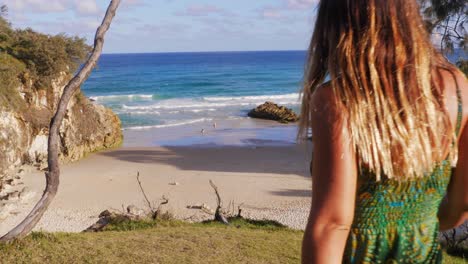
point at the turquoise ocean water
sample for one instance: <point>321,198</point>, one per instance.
<point>171,89</point>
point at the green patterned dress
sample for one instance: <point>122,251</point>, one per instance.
<point>396,222</point>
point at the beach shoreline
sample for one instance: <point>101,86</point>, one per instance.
<point>215,133</point>
<point>253,162</point>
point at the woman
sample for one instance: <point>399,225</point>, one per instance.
<point>387,129</point>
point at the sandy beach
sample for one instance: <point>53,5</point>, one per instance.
<point>257,166</point>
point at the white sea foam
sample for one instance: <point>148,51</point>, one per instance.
<point>202,110</point>
<point>291,96</point>
<point>192,111</point>
<point>181,123</point>
<point>181,105</point>
<point>139,112</point>
<point>121,97</point>
<point>202,104</point>
<point>182,111</point>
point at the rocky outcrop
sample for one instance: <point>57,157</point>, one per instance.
<point>272,111</point>
<point>87,127</point>
<point>132,214</point>
<point>115,217</point>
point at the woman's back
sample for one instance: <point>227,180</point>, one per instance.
<point>384,136</point>
<point>392,220</point>
<point>397,220</point>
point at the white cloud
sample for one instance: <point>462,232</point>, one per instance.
<point>283,10</point>
<point>81,7</point>
<point>271,13</point>
<point>133,2</point>
<point>165,30</point>
<point>300,4</point>
<point>201,10</point>
<point>38,5</point>
<point>81,27</point>
<point>48,16</point>
<point>86,7</point>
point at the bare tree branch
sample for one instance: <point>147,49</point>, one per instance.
<point>53,173</point>
<point>447,19</point>
<point>156,213</point>
<point>218,214</point>
<point>444,36</point>
<point>239,210</point>
<point>144,195</point>
<point>155,210</point>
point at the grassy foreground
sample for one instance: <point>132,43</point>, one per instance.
<point>165,242</point>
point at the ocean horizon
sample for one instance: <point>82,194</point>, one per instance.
<point>156,90</point>
<point>167,89</point>
<point>201,51</point>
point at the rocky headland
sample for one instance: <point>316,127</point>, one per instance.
<point>87,128</point>
<point>34,69</point>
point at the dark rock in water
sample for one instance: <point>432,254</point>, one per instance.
<point>272,111</point>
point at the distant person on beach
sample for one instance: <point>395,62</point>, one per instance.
<point>387,127</point>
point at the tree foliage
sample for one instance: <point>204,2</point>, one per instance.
<point>3,10</point>
<point>447,21</point>
<point>463,65</point>
<point>44,56</point>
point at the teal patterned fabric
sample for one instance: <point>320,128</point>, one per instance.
<point>396,221</point>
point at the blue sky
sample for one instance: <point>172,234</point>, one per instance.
<point>176,25</point>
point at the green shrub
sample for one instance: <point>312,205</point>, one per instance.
<point>10,72</point>
<point>26,55</point>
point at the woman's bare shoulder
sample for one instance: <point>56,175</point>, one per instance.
<point>326,112</point>
<point>323,98</point>
<point>463,86</point>
<point>453,80</point>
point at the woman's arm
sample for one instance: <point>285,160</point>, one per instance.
<point>334,176</point>
<point>454,210</point>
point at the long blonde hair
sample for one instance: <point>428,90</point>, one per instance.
<point>380,62</point>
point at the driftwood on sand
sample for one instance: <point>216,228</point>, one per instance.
<point>155,210</point>
<point>219,216</point>
<point>131,213</point>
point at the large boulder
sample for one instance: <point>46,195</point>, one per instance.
<point>272,111</point>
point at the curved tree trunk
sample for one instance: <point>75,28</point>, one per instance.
<point>53,173</point>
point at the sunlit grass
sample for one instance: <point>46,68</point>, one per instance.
<point>165,241</point>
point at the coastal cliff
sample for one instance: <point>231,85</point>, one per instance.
<point>34,69</point>
<point>87,127</point>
